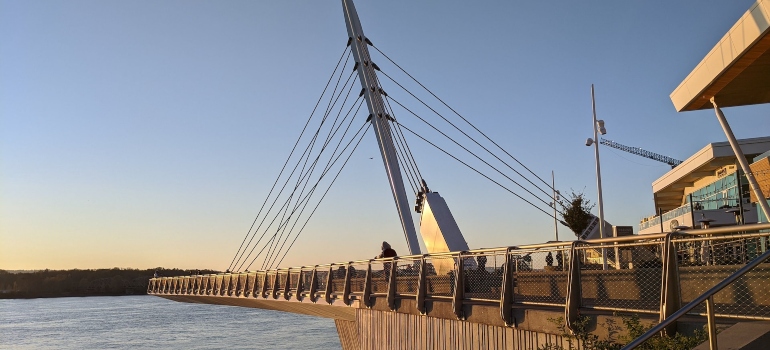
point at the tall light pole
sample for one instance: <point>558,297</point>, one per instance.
<point>598,126</point>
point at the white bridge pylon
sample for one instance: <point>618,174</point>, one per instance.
<point>438,228</point>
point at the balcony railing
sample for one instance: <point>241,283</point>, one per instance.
<point>652,274</point>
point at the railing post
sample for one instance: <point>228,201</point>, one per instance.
<point>263,292</point>
<point>392,284</point>
<point>287,285</point>
<point>712,325</point>
<point>506,291</point>
<point>459,292</point>
<point>298,291</point>
<point>368,286</point>
<point>422,286</point>
<point>313,284</point>
<point>249,292</point>
<point>572,306</point>
<point>274,291</point>
<point>328,290</point>
<point>346,286</point>
<point>670,300</point>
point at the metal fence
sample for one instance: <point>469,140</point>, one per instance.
<point>642,275</point>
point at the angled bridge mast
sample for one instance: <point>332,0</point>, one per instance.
<point>379,119</point>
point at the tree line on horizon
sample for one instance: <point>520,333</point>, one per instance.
<point>90,282</point>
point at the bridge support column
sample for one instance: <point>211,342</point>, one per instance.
<point>506,292</point>
<point>328,290</point>
<point>392,284</point>
<point>422,287</point>
<point>572,307</point>
<point>377,329</point>
<point>457,298</point>
<point>670,296</point>
<point>313,284</point>
<point>346,287</point>
<point>366,298</point>
<point>348,333</point>
<point>263,291</point>
<point>287,285</point>
<point>298,291</point>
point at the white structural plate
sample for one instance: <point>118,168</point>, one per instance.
<point>440,232</point>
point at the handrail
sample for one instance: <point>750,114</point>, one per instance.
<point>454,276</point>
<point>697,301</point>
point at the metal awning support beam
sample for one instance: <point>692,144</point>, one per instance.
<point>761,198</point>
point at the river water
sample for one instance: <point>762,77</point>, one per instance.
<point>148,322</point>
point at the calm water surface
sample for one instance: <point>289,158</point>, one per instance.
<point>139,322</point>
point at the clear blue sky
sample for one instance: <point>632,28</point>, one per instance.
<point>146,133</point>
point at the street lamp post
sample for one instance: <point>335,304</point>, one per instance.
<point>598,126</point>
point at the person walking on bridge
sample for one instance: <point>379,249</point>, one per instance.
<point>387,251</point>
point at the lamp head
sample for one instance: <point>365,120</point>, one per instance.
<point>600,127</point>
<point>589,141</point>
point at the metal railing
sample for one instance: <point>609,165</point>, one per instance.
<point>652,274</point>
<point>739,277</point>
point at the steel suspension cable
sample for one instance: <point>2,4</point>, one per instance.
<point>389,110</point>
<point>307,149</point>
<point>477,171</point>
<point>407,171</point>
<point>283,223</point>
<point>333,180</point>
<point>468,136</point>
<point>324,195</point>
<point>467,150</point>
<point>305,176</point>
<point>287,202</point>
<point>461,117</point>
<point>290,154</point>
<point>306,200</point>
<point>332,133</point>
<point>411,175</point>
<point>400,133</point>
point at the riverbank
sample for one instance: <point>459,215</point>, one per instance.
<point>80,283</point>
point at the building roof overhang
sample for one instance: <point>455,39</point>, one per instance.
<point>736,71</point>
<point>668,190</point>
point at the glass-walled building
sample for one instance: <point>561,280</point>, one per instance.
<point>708,188</point>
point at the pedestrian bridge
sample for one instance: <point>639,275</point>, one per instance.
<point>504,297</point>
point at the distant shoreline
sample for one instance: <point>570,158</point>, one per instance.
<point>17,295</point>
<point>81,283</point>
